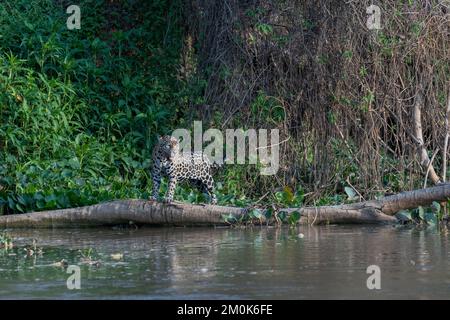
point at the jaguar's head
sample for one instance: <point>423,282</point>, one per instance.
<point>169,146</point>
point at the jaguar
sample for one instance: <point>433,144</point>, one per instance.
<point>178,166</point>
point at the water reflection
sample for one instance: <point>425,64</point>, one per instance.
<point>327,262</point>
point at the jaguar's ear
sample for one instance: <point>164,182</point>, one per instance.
<point>158,137</point>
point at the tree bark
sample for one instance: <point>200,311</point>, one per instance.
<point>144,212</point>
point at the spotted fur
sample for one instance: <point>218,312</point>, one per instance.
<point>177,166</point>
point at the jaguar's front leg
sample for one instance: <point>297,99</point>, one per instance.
<point>156,178</point>
<point>171,191</point>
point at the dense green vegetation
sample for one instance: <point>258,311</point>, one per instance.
<point>80,109</point>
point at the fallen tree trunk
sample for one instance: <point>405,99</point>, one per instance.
<point>143,212</point>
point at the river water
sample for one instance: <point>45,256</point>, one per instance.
<point>324,262</point>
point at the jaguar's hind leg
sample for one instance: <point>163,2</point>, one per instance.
<point>205,187</point>
<point>208,188</point>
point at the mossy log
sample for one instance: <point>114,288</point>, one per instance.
<point>144,212</point>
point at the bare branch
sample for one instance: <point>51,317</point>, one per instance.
<point>424,159</point>
<point>447,135</point>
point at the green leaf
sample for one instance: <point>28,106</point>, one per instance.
<point>264,28</point>
<point>298,198</point>
<point>421,213</point>
<point>92,172</point>
<point>63,200</point>
<point>74,163</point>
<point>282,215</point>
<point>20,207</point>
<point>279,196</point>
<point>268,213</point>
<point>430,218</point>
<point>40,204</point>
<point>50,204</point>
<point>437,207</point>
<point>405,214</point>
<point>11,203</point>
<point>29,25</point>
<point>50,198</point>
<point>140,116</point>
<point>21,199</point>
<point>294,217</point>
<point>229,218</point>
<point>66,173</point>
<point>255,213</point>
<point>278,113</point>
